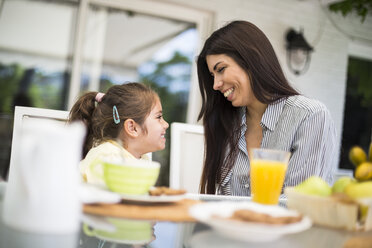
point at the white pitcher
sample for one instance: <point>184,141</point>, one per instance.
<point>42,191</point>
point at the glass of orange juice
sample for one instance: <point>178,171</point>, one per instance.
<point>268,168</point>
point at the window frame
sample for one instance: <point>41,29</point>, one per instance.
<point>203,20</point>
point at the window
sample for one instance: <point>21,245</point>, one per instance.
<point>35,50</point>
<point>53,51</point>
<point>357,128</point>
<point>120,46</point>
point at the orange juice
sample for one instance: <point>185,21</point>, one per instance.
<point>267,179</point>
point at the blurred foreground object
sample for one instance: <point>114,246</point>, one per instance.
<point>42,191</point>
<point>347,204</point>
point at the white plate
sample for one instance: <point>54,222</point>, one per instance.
<point>152,199</point>
<point>246,231</point>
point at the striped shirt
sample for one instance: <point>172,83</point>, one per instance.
<point>296,124</point>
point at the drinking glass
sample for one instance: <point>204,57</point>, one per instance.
<point>268,168</point>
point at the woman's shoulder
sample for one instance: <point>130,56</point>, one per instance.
<point>304,103</point>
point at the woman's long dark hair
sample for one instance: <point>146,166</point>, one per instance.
<point>252,51</point>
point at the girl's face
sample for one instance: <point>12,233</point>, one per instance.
<point>230,79</point>
<point>156,126</point>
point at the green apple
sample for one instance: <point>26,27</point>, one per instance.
<point>314,186</point>
<point>341,183</point>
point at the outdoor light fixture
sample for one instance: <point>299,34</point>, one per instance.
<point>298,52</point>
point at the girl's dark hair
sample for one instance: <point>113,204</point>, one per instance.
<point>132,100</point>
<point>252,51</point>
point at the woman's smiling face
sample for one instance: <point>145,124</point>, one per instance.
<point>230,79</point>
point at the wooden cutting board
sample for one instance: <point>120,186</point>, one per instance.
<point>176,211</point>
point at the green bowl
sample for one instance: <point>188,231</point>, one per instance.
<point>127,231</point>
<point>131,177</point>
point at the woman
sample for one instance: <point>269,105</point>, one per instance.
<point>247,103</point>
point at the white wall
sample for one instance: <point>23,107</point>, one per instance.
<point>326,78</point>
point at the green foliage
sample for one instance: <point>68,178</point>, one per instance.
<point>360,73</point>
<point>45,94</point>
<point>105,84</point>
<point>44,91</point>
<point>361,7</point>
<point>9,83</point>
<point>174,103</point>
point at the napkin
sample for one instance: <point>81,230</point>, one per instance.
<point>90,193</point>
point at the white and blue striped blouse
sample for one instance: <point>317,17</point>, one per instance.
<point>296,124</point>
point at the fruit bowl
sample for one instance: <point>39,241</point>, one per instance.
<point>334,211</point>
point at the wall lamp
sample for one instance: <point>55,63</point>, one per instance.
<point>298,52</point>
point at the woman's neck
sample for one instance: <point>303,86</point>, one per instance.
<point>253,133</point>
<point>255,112</point>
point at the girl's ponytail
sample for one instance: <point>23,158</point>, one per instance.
<point>83,111</point>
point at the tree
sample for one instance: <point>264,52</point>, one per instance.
<point>10,76</point>
<point>162,79</point>
<point>361,7</point>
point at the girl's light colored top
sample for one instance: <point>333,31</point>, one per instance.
<point>296,124</point>
<point>109,150</point>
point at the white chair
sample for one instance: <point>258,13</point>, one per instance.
<point>21,115</point>
<point>186,156</point>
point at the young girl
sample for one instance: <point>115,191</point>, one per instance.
<point>126,122</point>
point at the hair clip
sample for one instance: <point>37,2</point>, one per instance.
<point>115,115</point>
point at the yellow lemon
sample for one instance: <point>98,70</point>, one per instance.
<point>357,155</point>
<point>364,171</point>
<point>359,190</point>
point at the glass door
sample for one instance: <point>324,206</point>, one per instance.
<point>35,60</point>
<point>141,41</point>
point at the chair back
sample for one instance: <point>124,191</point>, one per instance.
<point>186,156</point>
<point>22,115</point>
<point>42,193</point>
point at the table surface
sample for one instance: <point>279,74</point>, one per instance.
<point>174,235</point>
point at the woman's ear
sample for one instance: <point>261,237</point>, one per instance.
<point>131,128</point>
